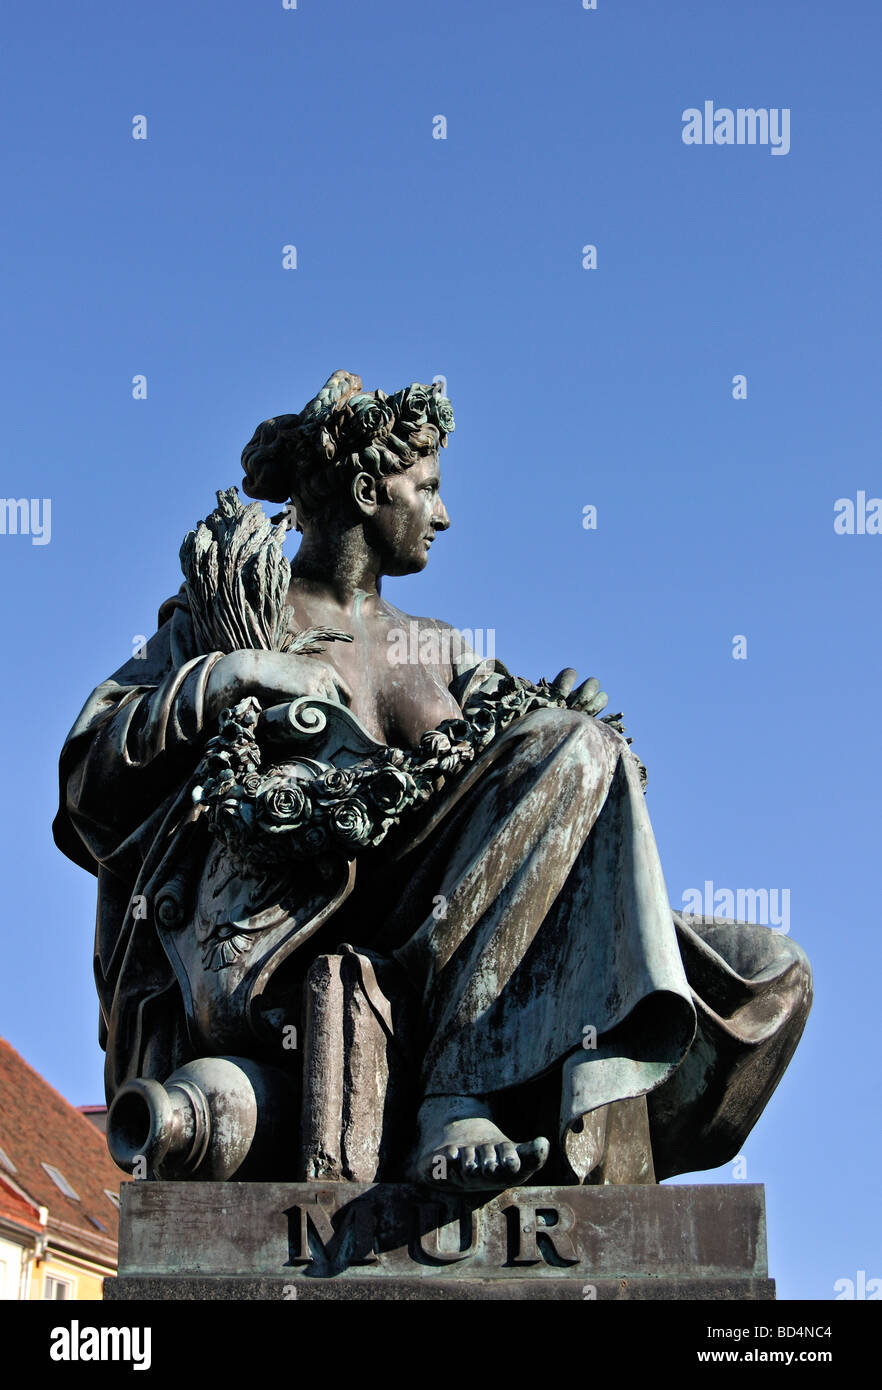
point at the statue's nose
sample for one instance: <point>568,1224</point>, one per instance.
<point>441,521</point>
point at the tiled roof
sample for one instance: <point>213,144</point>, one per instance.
<point>37,1127</point>
<point>13,1207</point>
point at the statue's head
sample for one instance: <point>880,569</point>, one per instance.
<point>314,458</point>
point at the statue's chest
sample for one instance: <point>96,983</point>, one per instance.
<point>397,668</point>
<point>396,701</point>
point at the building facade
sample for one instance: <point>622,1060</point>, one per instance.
<point>59,1191</point>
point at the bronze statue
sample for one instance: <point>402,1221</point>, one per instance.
<point>402,919</point>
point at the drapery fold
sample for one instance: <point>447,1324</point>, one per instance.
<point>526,904</point>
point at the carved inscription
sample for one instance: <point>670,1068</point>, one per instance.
<point>328,1235</point>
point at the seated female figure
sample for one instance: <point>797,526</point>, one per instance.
<point>554,984</point>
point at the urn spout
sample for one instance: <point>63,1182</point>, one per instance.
<point>213,1119</point>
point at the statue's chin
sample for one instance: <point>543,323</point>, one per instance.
<point>413,565</point>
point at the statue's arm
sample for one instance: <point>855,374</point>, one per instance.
<point>135,742</point>
<point>141,734</point>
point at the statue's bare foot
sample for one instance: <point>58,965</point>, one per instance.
<point>459,1147</point>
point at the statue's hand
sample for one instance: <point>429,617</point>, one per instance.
<point>273,678</point>
<point>589,698</point>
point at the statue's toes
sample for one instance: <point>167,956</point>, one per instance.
<point>488,1159</point>
<point>509,1162</point>
<point>468,1160</point>
<point>533,1155</point>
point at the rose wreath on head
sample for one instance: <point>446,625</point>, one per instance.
<point>309,458</point>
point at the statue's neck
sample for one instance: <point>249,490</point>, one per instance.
<point>341,569</point>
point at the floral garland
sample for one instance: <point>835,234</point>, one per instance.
<point>371,430</point>
<point>290,811</point>
<point>369,418</point>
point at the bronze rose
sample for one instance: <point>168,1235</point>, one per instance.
<point>389,790</point>
<point>350,821</point>
<point>285,804</point>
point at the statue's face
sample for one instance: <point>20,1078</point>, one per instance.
<point>406,522</point>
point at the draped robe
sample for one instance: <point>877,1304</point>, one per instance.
<point>556,969</point>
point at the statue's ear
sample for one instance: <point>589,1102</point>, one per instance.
<point>365,493</point>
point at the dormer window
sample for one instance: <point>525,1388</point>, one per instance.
<point>61,1181</point>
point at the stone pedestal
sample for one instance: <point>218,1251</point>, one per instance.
<point>358,1241</point>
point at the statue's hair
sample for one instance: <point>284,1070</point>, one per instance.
<point>312,457</point>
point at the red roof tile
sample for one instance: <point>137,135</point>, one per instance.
<point>14,1207</point>
<point>39,1126</point>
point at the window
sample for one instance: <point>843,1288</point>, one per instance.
<point>56,1287</point>
<point>99,1225</point>
<point>7,1162</point>
<point>113,1196</point>
<point>61,1181</point>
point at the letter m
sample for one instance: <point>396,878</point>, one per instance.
<point>10,524</point>
<point>751,121</point>
<point>752,905</point>
<point>116,1344</point>
<point>331,1239</point>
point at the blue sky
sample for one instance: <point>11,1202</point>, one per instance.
<point>609,387</point>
